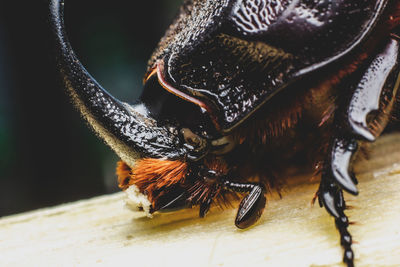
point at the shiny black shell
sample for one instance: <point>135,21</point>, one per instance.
<point>235,55</point>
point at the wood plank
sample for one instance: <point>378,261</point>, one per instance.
<point>101,232</point>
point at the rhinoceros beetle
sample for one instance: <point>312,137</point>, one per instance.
<point>237,88</point>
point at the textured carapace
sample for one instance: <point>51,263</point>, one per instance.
<point>235,55</point>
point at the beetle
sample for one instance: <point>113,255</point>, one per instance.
<point>236,89</point>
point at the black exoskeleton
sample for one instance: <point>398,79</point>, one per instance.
<point>238,89</point>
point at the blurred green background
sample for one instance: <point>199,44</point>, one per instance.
<point>48,155</point>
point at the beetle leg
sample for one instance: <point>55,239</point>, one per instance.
<point>205,205</point>
<point>375,92</point>
<point>379,81</point>
<point>341,154</point>
<point>331,197</point>
<point>252,206</point>
<point>336,176</point>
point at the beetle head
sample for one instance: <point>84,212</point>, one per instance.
<point>217,64</point>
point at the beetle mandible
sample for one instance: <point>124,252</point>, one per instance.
<point>236,88</point>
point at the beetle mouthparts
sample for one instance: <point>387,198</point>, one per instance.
<point>153,184</point>
<point>137,201</point>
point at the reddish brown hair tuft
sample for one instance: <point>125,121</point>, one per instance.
<point>151,174</point>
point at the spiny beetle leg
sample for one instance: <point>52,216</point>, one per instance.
<point>205,205</point>
<point>331,197</point>
<point>252,206</point>
<point>341,154</point>
<point>379,80</point>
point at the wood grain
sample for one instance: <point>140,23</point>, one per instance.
<point>100,232</point>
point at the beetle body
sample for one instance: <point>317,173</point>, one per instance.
<point>238,90</point>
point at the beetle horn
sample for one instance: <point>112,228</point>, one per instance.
<point>128,130</point>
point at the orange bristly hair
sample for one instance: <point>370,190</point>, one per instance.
<point>124,173</point>
<point>151,174</point>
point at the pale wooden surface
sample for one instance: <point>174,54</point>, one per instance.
<point>100,232</point>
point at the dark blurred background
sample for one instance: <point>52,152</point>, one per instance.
<point>48,155</point>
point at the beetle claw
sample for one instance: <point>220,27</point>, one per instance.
<point>327,199</point>
<point>345,180</point>
<point>361,129</point>
<point>340,164</point>
<point>205,207</point>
